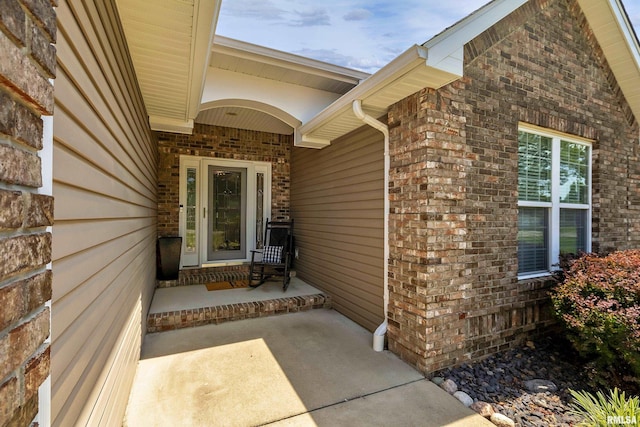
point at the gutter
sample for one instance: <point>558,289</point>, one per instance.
<point>380,332</point>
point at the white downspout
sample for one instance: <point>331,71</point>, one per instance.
<point>378,335</point>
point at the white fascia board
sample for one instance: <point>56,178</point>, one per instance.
<point>205,20</point>
<point>310,142</point>
<point>445,49</point>
<point>167,124</point>
<point>407,61</point>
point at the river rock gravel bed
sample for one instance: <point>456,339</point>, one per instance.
<point>530,384</point>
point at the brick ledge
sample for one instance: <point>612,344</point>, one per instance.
<point>172,320</point>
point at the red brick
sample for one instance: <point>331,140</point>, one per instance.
<point>39,211</point>
<point>12,303</point>
<point>36,372</point>
<point>22,297</point>
<point>43,51</point>
<point>44,15</point>
<point>11,210</point>
<point>12,19</point>
<point>22,253</point>
<point>20,167</point>
<point>22,342</point>
<point>10,399</point>
<point>20,76</point>
<point>24,414</point>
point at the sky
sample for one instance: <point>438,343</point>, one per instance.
<point>360,34</point>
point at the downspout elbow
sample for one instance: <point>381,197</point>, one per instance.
<point>371,121</point>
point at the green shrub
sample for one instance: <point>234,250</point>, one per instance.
<point>599,304</point>
<point>600,410</point>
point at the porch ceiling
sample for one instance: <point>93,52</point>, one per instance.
<point>169,43</point>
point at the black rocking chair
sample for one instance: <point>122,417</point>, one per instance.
<point>276,257</point>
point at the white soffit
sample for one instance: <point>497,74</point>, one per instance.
<point>434,64</point>
<point>615,35</point>
<point>169,42</point>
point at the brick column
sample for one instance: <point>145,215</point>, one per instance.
<point>428,272</point>
<point>27,63</point>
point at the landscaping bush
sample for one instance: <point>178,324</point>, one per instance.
<point>599,304</point>
<point>600,410</point>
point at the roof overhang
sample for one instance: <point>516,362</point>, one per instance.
<point>440,61</point>
<point>615,35</point>
<point>434,64</point>
<point>170,44</point>
<point>259,61</point>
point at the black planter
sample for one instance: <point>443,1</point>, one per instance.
<point>168,258</point>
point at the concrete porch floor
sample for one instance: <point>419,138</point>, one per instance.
<point>302,369</point>
<point>197,296</point>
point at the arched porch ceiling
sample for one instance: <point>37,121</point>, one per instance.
<point>247,114</point>
<point>257,88</point>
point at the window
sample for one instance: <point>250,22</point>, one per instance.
<point>554,198</point>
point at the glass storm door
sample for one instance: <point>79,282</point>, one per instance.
<point>227,206</point>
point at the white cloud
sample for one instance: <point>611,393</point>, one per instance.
<point>361,34</point>
<point>358,15</point>
<point>311,18</point>
<point>253,9</point>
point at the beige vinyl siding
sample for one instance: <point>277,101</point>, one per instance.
<point>105,174</point>
<point>337,204</point>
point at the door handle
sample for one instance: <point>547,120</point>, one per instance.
<point>204,212</point>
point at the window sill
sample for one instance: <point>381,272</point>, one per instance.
<point>524,277</point>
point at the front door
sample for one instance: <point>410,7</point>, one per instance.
<point>227,224</point>
<point>223,206</point>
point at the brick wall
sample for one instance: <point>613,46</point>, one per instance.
<point>454,290</point>
<point>27,62</point>
<point>224,143</point>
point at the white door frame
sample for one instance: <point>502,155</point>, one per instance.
<point>201,164</point>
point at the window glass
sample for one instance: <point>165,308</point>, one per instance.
<point>190,228</point>
<point>532,239</point>
<point>574,163</point>
<point>534,167</point>
<point>573,230</point>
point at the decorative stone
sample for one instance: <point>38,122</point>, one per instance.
<point>483,408</point>
<point>464,398</point>
<point>449,386</point>
<point>437,380</point>
<point>540,386</point>
<point>502,420</point>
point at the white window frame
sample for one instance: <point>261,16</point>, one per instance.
<point>554,207</point>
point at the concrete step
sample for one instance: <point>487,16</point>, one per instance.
<point>237,304</point>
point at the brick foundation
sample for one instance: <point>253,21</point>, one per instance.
<point>160,322</point>
<point>27,46</point>
<point>454,291</point>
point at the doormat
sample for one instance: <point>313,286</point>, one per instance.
<point>218,286</point>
